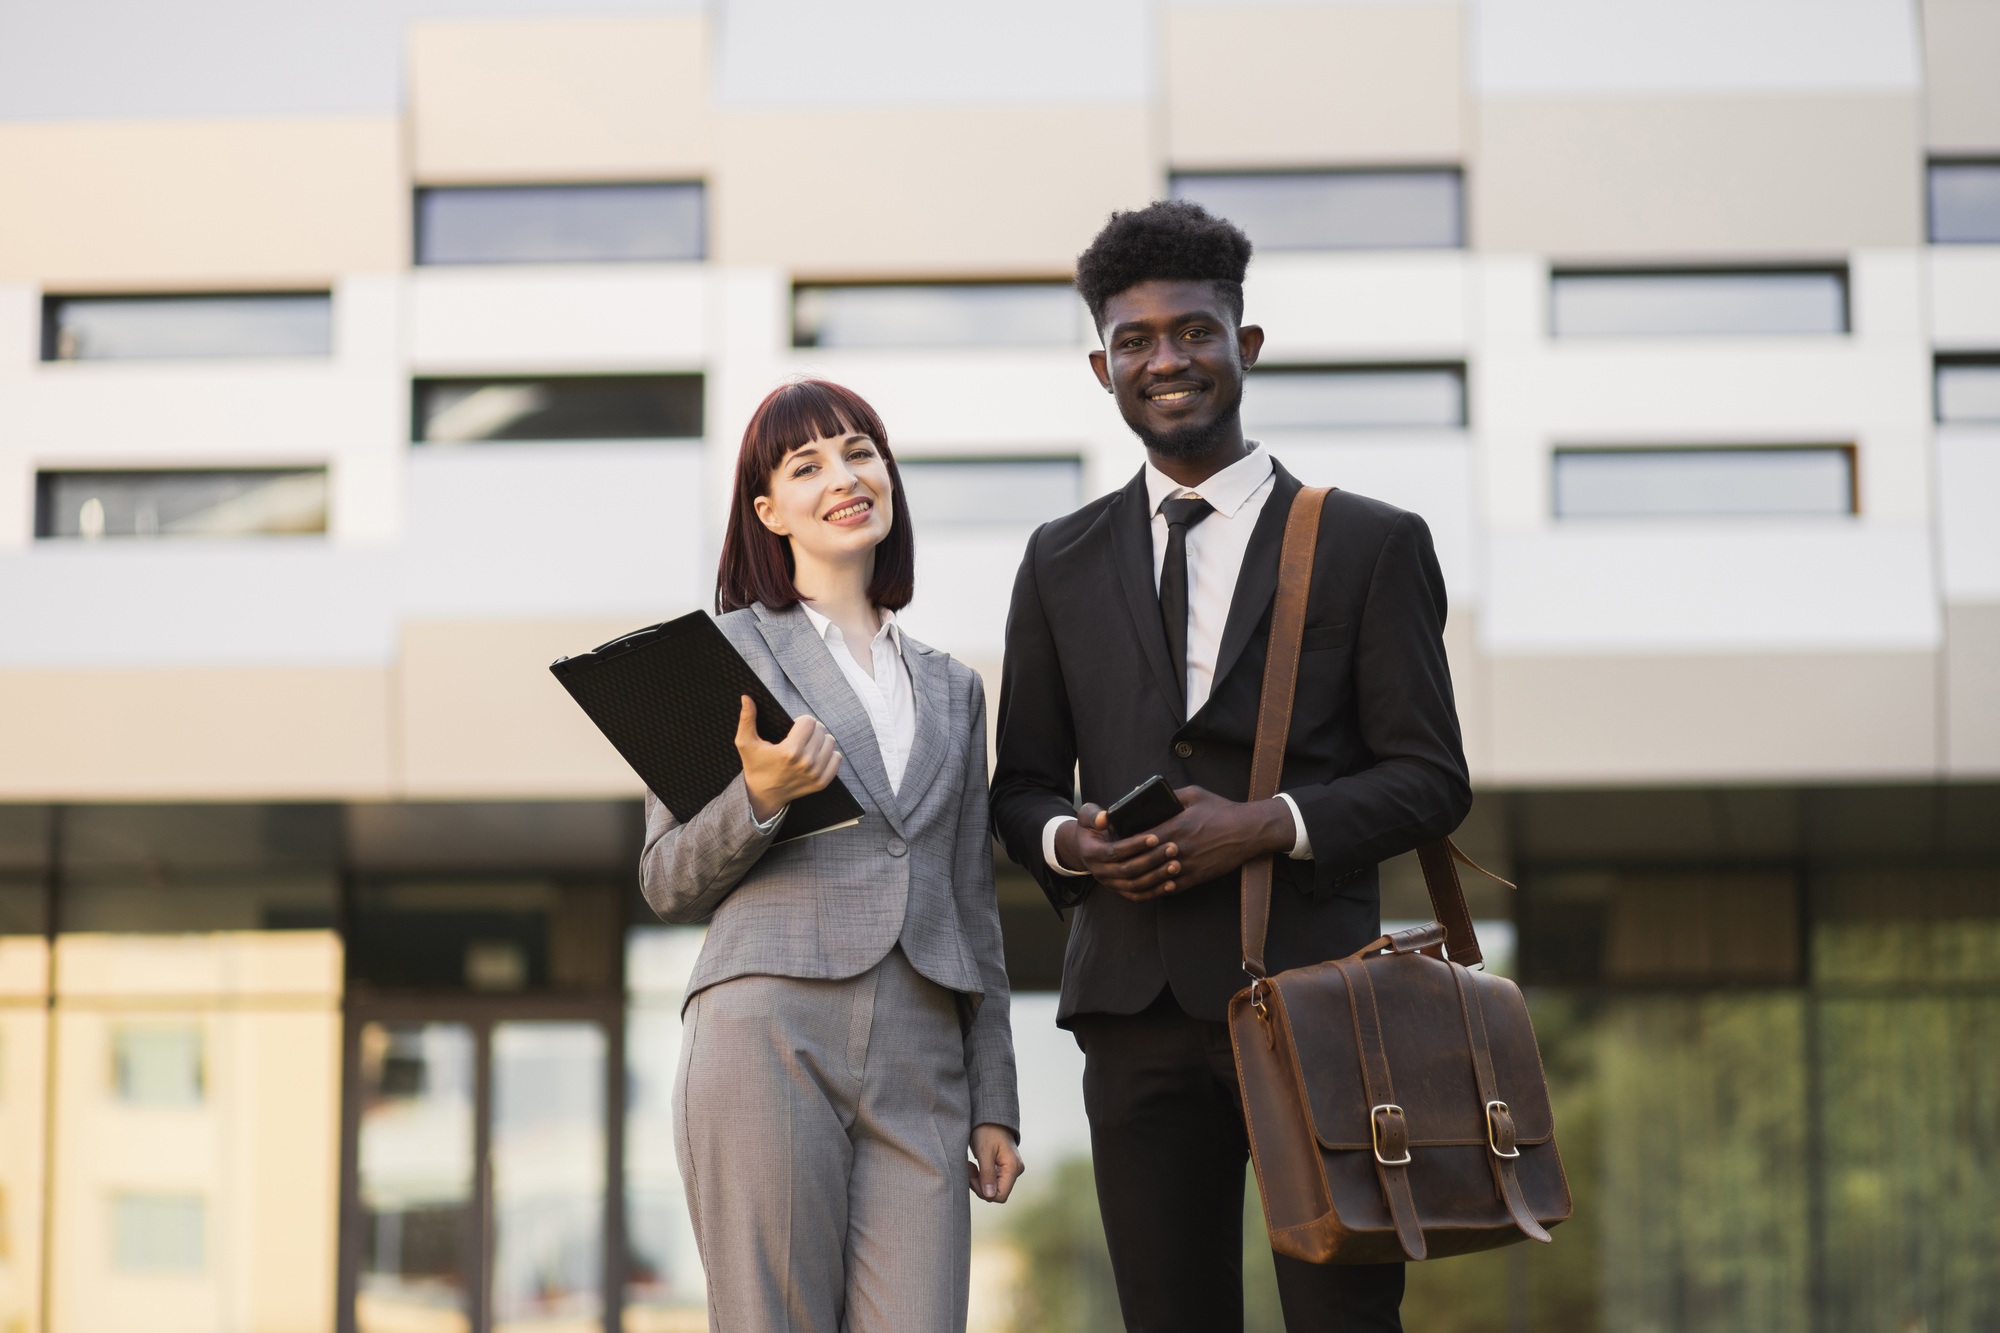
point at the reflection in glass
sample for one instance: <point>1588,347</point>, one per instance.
<point>1001,491</point>
<point>663,1272</point>
<point>1334,210</point>
<point>114,328</point>
<point>553,224</point>
<point>1703,483</point>
<point>1355,398</point>
<point>1773,303</point>
<point>182,503</point>
<point>966,314</point>
<point>596,407</point>
<point>548,1175</point>
<point>415,1167</point>
<point>1965,203</point>
<point>1968,390</point>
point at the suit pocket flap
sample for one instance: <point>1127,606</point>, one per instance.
<point>1324,636</point>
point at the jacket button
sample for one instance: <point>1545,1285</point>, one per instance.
<point>1183,749</point>
<point>898,847</point>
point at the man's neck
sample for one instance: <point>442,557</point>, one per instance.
<point>1193,470</point>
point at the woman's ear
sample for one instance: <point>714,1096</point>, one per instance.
<point>767,514</point>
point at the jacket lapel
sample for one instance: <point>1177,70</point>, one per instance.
<point>804,658</point>
<point>1132,552</point>
<point>1257,581</point>
<point>929,679</point>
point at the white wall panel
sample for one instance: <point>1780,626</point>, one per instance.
<point>563,530</point>
<point>965,579</point>
<point>1969,513</point>
<point>567,318</point>
<point>1965,297</point>
<point>1358,306</point>
<point>1428,474</point>
<point>1675,589</point>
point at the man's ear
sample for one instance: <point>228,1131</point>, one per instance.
<point>1101,368</point>
<point>1250,342</point>
<point>767,514</point>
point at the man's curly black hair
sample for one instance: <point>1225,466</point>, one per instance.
<point>1174,238</point>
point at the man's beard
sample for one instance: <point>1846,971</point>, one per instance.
<point>1195,438</point>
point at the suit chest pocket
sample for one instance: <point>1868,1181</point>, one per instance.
<point>1319,638</point>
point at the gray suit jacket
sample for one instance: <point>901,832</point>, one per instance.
<point>917,870</point>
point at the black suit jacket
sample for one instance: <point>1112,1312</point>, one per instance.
<point>1089,704</point>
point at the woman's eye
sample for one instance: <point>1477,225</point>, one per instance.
<point>805,469</point>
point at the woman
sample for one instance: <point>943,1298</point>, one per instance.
<point>846,1037</point>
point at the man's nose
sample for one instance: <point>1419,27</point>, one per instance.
<point>1168,358</point>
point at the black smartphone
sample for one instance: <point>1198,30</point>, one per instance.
<point>1147,805</point>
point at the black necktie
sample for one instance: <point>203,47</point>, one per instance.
<point>1181,515</point>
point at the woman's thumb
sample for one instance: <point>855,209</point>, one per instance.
<point>746,723</point>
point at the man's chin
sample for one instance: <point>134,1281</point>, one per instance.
<point>1191,440</point>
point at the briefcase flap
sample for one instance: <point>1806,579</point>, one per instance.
<point>1425,1037</point>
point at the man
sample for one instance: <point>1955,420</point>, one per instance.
<point>1136,645</point>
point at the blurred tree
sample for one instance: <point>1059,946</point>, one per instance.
<point>1066,1283</point>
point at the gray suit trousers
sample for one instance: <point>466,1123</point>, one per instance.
<point>822,1129</point>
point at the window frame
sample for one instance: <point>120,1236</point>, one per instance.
<point>1839,270</point>
<point>1931,164</point>
<point>1848,448</point>
<point>52,303</point>
<point>705,222</point>
<point>1462,369</point>
<point>1462,212</point>
<point>802,283</point>
<point>1939,362</point>
<point>45,511</point>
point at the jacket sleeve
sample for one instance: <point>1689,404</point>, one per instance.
<point>1034,774</point>
<point>686,870</point>
<point>989,1041</point>
<point>1418,788</point>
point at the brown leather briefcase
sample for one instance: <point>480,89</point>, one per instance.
<point>1395,1098</point>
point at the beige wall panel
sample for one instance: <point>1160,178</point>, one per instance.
<point>23,1069</point>
<point>926,191</point>
<point>1962,74</point>
<point>1726,176</point>
<point>1294,86</point>
<point>482,716</point>
<point>1972,691</point>
<point>192,203</point>
<point>194,734</point>
<point>1822,718</point>
<point>560,99</point>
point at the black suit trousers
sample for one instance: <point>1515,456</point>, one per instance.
<point>1170,1150</point>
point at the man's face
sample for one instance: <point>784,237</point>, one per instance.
<point>1174,359</point>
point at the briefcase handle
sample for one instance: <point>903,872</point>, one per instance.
<point>1438,858</point>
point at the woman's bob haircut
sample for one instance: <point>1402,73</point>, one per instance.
<point>757,562</point>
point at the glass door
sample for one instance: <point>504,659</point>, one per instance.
<point>478,1159</point>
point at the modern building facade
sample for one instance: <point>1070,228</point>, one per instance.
<point>354,368</point>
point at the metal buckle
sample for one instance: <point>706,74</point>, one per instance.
<point>1375,1134</point>
<point>1490,1142</point>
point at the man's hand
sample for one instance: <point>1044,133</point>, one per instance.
<point>802,763</point>
<point>1208,839</point>
<point>997,1166</point>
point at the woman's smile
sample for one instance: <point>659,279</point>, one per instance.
<point>851,512</point>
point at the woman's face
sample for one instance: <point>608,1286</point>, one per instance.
<point>832,498</point>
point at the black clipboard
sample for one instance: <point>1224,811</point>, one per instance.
<point>667,698</point>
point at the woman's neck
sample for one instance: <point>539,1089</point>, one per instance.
<point>840,593</point>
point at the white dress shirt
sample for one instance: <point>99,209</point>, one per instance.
<point>1215,548</point>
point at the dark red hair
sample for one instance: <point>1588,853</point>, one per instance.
<point>757,562</point>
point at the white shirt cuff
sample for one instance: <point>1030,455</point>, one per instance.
<point>1302,848</point>
<point>767,825</point>
<point>1049,831</point>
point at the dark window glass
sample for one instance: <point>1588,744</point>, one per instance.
<point>1965,203</point>
<point>1003,491</point>
<point>1717,302</point>
<point>1968,389</point>
<point>1335,210</point>
<point>1354,397</point>
<point>1647,928</point>
<point>177,868</point>
<point>962,314</point>
<point>595,407</point>
<point>484,934</point>
<point>1704,483</point>
<point>183,503</point>
<point>116,328</point>
<point>560,224</point>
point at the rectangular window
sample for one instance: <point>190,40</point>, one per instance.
<point>120,328</point>
<point>1742,482</point>
<point>571,407</point>
<point>562,224</point>
<point>956,314</point>
<point>1968,388</point>
<point>1965,203</point>
<point>158,1233</point>
<point>991,491</point>
<point>1308,398</point>
<point>1335,210</point>
<point>158,1066</point>
<point>1716,302</point>
<point>237,502</point>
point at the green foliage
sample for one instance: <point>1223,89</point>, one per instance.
<point>1066,1284</point>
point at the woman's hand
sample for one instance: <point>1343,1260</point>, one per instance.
<point>992,1177</point>
<point>802,763</point>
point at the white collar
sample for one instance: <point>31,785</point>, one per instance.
<point>830,632</point>
<point>1227,490</point>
